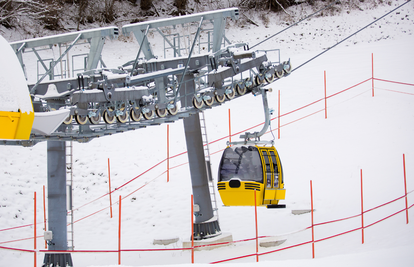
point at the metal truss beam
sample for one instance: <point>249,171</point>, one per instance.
<point>95,37</point>
<point>218,18</point>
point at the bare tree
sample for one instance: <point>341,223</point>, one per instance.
<point>46,11</point>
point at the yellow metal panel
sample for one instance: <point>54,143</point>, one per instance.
<point>240,196</point>
<point>9,122</point>
<point>280,194</point>
<point>25,126</point>
<point>15,125</point>
<point>270,194</point>
<point>275,194</point>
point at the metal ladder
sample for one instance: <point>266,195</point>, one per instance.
<point>211,183</point>
<point>69,190</point>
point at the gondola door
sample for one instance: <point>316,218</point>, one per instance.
<point>268,174</point>
<point>274,190</point>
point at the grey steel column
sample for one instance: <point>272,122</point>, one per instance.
<point>206,225</point>
<point>56,183</point>
<point>198,168</point>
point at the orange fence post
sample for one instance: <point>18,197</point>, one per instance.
<point>257,232</point>
<point>372,77</point>
<point>44,211</point>
<point>110,190</point>
<point>405,188</point>
<point>119,231</point>
<point>326,107</point>
<point>229,127</point>
<point>168,153</point>
<point>278,115</point>
<point>362,210</point>
<point>313,233</point>
<point>35,234</point>
<point>192,228</point>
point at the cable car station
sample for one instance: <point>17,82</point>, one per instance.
<point>147,91</point>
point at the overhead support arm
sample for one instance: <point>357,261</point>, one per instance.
<point>111,32</point>
<point>33,90</point>
<point>40,59</point>
<point>219,25</point>
<point>144,38</point>
<point>95,52</point>
<point>189,58</point>
<point>19,52</point>
<point>210,15</point>
<point>256,135</point>
<point>176,51</point>
<point>217,17</point>
<point>97,37</point>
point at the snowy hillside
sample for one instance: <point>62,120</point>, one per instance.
<point>361,132</point>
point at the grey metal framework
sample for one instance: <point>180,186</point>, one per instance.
<point>150,90</point>
<point>95,37</point>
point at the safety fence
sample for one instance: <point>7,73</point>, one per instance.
<point>312,241</point>
<point>278,118</point>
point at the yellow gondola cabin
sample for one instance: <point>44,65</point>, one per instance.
<point>245,168</point>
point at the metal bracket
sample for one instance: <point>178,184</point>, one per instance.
<point>256,135</point>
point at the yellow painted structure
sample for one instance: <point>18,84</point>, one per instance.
<point>16,108</point>
<point>244,169</point>
<point>16,125</point>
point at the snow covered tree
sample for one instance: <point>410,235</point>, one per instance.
<point>46,11</point>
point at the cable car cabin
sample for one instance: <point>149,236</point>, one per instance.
<point>246,168</point>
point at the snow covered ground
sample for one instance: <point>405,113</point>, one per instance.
<point>361,132</point>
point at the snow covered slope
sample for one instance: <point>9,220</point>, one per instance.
<point>361,132</point>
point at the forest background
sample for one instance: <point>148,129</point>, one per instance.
<point>35,18</point>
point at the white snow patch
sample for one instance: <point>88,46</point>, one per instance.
<point>14,94</point>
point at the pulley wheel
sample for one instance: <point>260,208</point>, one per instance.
<point>248,83</point>
<point>279,74</point>
<point>259,79</point>
<point>122,118</point>
<point>173,111</point>
<point>68,120</point>
<point>231,95</point>
<point>161,112</point>
<point>269,77</point>
<point>135,114</point>
<point>197,104</point>
<point>95,119</point>
<point>148,115</point>
<point>241,90</point>
<point>81,119</point>
<point>220,98</point>
<point>289,69</point>
<point>209,102</point>
<point>107,118</point>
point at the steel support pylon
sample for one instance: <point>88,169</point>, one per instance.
<point>56,197</point>
<point>206,224</point>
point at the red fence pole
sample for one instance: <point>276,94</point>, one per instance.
<point>44,211</point>
<point>372,66</point>
<point>110,189</point>
<point>362,210</point>
<point>168,153</point>
<point>34,227</point>
<point>278,115</point>
<point>324,81</point>
<point>229,127</point>
<point>257,232</point>
<point>405,188</point>
<point>119,231</point>
<point>313,233</point>
<point>192,228</point>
